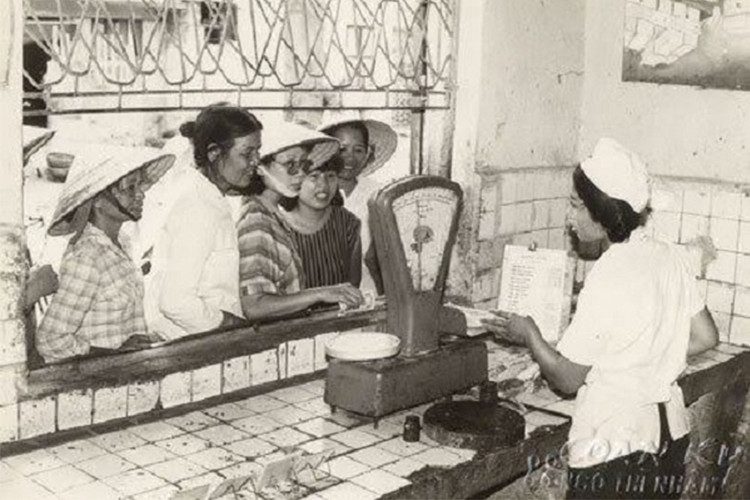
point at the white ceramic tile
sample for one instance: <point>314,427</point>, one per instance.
<point>723,268</point>
<point>523,217</point>
<point>540,217</point>
<point>261,404</point>
<point>324,444</point>
<point>379,481</point>
<point>214,458</point>
<point>256,425</point>
<point>118,440</point>
<point>345,467</point>
<point>252,447</point>
<point>228,412</point>
<point>147,454</point>
<point>506,222</point>
<point>176,469</point>
<point>163,493</point>
<point>34,462</point>
<point>742,301</point>
<point>726,204</point>
<point>667,225</point>
<point>403,448</point>
<point>487,223</point>
<point>7,473</point>
<point>300,357</point>
<point>743,270</point>
<point>289,415</point>
<point>404,467</point>
<point>384,430</point>
<point>437,457</point>
<point>374,456</point>
<point>668,198</point>
<point>74,409</point>
<point>105,466</point>
<point>142,397</point>
<point>286,436</point>
<point>744,239</point>
<point>134,482</point>
<point>719,297</point>
<point>236,374</point>
<point>320,349</point>
<point>558,209</point>
<point>723,322</point>
<point>347,491</point>
<point>211,479</point>
<point>692,227</point>
<point>292,395</point>
<point>316,387</point>
<point>8,423</point>
<point>76,451</point>
<point>62,478</point>
<point>355,438</point>
<point>184,445</point>
<point>525,186</point>
<point>156,431</point>
<point>697,200</point>
<point>175,389</point>
<point>264,367</point>
<point>219,435</point>
<point>724,233</point>
<point>320,427</point>
<point>193,421</point>
<point>37,417</point>
<point>94,490</point>
<point>740,333</point>
<point>508,188</point>
<point>206,382</point>
<point>26,489</point>
<point>242,469</point>
<point>110,403</point>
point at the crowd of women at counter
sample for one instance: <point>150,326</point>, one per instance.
<point>243,221</point>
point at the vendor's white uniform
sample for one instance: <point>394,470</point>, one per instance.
<point>632,326</point>
<point>356,203</point>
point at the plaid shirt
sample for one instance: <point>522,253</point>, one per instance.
<point>99,302</point>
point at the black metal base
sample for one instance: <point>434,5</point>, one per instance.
<point>377,388</point>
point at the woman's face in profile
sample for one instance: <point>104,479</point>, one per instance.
<point>354,151</point>
<point>580,223</point>
<point>239,163</point>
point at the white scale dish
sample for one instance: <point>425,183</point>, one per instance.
<point>363,346</point>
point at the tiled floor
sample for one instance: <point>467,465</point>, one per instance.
<point>236,440</point>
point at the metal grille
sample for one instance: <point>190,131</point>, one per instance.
<point>85,56</point>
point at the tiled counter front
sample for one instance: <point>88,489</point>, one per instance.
<point>158,459</point>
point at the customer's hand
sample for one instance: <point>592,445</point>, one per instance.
<point>511,327</point>
<point>42,281</point>
<point>344,294</point>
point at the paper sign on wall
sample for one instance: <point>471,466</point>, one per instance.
<point>537,283</point>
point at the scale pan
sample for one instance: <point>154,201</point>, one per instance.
<point>363,346</point>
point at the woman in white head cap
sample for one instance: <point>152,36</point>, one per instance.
<point>639,316</point>
<point>272,280</point>
<point>99,303</point>
<point>366,145</point>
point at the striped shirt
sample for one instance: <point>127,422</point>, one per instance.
<point>99,302</point>
<point>269,261</point>
<point>329,254</point>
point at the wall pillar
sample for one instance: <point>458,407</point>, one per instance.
<point>13,264</point>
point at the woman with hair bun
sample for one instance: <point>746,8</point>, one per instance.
<point>191,277</point>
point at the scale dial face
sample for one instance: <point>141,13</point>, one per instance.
<point>424,218</point>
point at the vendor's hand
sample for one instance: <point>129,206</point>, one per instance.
<point>139,341</point>
<point>511,327</point>
<point>42,281</point>
<point>344,294</point>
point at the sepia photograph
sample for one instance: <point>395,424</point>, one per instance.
<point>374,249</point>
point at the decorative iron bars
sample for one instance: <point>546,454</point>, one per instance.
<point>140,55</point>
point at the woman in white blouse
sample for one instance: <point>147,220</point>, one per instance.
<point>191,272</point>
<point>639,316</point>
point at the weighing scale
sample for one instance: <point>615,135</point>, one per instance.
<point>414,223</point>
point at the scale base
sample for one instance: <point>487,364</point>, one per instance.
<point>377,388</point>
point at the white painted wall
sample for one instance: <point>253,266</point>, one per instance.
<point>678,130</point>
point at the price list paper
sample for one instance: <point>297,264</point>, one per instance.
<point>537,283</point>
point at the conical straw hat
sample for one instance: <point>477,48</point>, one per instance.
<point>95,168</point>
<point>34,138</point>
<point>382,137</point>
<point>280,136</point>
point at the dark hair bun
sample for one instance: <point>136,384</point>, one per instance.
<point>187,129</point>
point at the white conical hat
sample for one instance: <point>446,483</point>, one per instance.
<point>280,136</point>
<point>34,138</point>
<point>618,172</point>
<point>95,168</point>
<point>382,137</point>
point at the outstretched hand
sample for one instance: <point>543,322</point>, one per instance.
<point>511,327</point>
